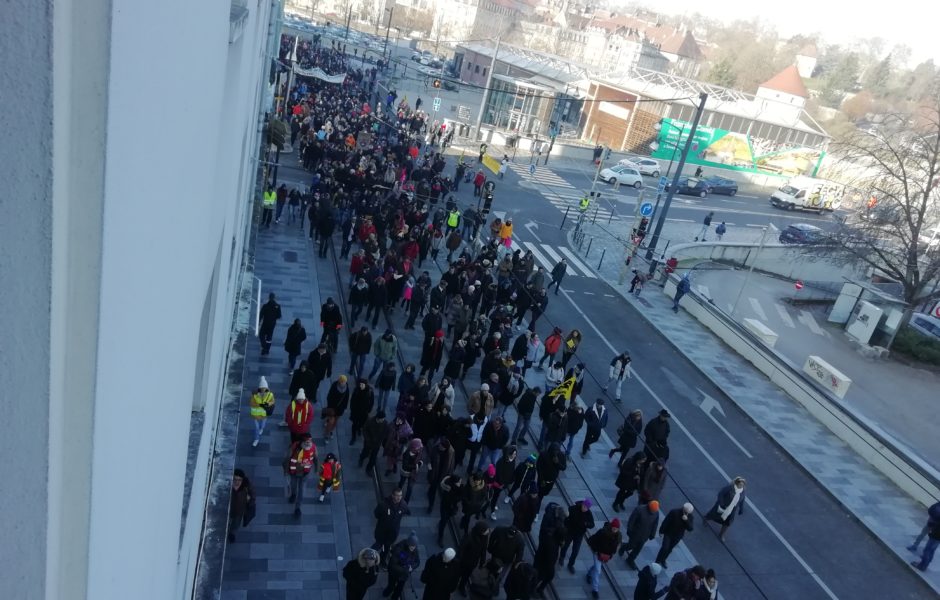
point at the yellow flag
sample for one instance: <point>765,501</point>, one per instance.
<point>564,389</point>
<point>491,163</point>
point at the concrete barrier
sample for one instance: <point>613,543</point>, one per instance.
<point>788,261</point>
<point>827,376</point>
<point>887,455</point>
<point>764,333</point>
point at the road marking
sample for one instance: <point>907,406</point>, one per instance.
<point>681,220</point>
<point>538,255</point>
<point>708,457</point>
<point>608,295</point>
<point>574,260</point>
<point>551,253</point>
<point>755,225</point>
<point>758,309</point>
<point>784,315</point>
<point>708,403</point>
<point>588,293</point>
<point>807,319</point>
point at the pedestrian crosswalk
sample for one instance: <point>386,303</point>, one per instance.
<point>542,175</point>
<point>561,194</point>
<point>548,256</point>
<point>780,318</point>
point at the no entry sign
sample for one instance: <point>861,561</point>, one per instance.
<point>798,285</point>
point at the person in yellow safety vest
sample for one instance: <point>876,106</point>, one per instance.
<point>330,472</point>
<point>262,407</point>
<point>585,203</point>
<point>453,220</point>
<point>298,464</point>
<point>268,202</point>
<point>299,415</point>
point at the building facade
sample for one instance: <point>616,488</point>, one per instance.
<point>137,128</point>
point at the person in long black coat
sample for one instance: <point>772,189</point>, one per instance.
<point>546,557</point>
<point>627,435</point>
<point>360,405</point>
<point>628,479</point>
<point>361,573</point>
<point>441,575</point>
<point>431,354</point>
<point>303,378</point>
<point>296,334</point>
<point>473,552</point>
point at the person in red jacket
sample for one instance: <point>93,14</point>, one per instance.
<point>299,416</point>
<point>552,345</point>
<point>478,180</point>
<point>330,472</point>
<point>299,463</point>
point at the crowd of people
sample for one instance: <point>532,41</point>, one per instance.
<point>380,180</point>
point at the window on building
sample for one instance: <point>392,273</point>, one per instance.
<point>476,69</point>
<point>484,71</point>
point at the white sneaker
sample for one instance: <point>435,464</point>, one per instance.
<point>536,519</point>
<point>322,497</point>
<point>254,444</point>
<point>507,500</point>
<point>493,516</point>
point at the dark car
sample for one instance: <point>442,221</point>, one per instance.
<point>803,233</point>
<point>690,186</point>
<point>721,185</point>
<point>449,84</point>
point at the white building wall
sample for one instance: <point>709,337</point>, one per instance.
<point>133,176</point>
<point>805,65</point>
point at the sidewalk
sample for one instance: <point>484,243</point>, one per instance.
<point>889,514</point>
<point>278,557</point>
<point>804,330</point>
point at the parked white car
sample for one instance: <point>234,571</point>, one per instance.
<point>622,174</point>
<point>646,166</point>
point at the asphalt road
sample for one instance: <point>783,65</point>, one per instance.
<point>805,546</point>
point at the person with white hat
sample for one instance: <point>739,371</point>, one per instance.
<point>261,406</point>
<point>673,528</point>
<point>646,585</point>
<point>440,575</point>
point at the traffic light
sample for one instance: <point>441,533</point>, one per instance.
<point>487,202</point>
<point>437,83</point>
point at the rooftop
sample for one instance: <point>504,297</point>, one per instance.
<point>681,90</point>
<point>787,81</point>
<point>550,67</point>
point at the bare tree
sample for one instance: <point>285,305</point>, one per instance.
<point>901,159</point>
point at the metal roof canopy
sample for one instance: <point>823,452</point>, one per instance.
<point>548,66</point>
<point>681,90</point>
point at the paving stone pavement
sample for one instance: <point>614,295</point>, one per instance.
<point>279,558</point>
<point>881,506</point>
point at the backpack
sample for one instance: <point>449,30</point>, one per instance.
<point>554,516</point>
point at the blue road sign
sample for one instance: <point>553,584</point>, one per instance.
<point>646,209</point>
<point>532,169</point>
<point>663,182</point>
<point>437,104</point>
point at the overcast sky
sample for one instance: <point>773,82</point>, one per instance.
<point>838,21</point>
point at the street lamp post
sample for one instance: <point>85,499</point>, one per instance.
<point>651,249</point>
<point>388,28</point>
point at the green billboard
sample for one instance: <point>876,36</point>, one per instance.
<point>736,151</point>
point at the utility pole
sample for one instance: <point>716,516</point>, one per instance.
<point>651,249</point>
<point>486,89</point>
<point>388,28</point>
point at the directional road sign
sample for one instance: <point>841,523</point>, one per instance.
<point>532,169</point>
<point>437,104</point>
<point>663,182</point>
<point>489,186</point>
<point>646,209</point>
